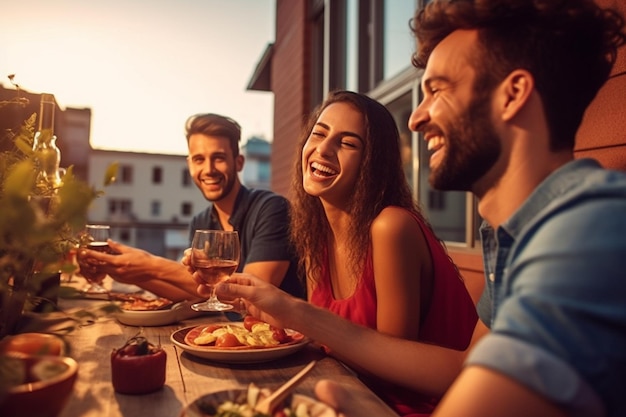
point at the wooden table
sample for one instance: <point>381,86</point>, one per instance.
<point>187,378</point>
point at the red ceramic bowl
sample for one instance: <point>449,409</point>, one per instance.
<point>46,384</point>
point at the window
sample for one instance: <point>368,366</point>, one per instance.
<point>436,200</point>
<point>126,174</point>
<point>155,208</point>
<point>186,209</point>
<point>120,206</point>
<point>400,108</point>
<point>124,235</point>
<point>446,211</point>
<point>398,41</point>
<point>367,46</point>
<point>157,175</point>
<point>374,44</point>
<point>186,178</point>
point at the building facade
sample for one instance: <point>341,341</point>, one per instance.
<point>153,198</point>
<point>151,202</point>
<point>366,46</point>
<point>257,167</point>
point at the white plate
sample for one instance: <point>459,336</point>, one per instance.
<point>201,406</point>
<point>177,312</point>
<point>238,354</point>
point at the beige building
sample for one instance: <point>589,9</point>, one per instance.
<point>151,202</point>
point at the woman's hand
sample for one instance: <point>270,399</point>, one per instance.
<point>262,299</point>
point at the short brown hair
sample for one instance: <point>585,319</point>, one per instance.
<point>211,124</point>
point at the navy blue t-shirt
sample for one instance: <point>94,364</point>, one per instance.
<point>262,219</point>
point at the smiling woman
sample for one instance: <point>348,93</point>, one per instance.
<point>143,69</point>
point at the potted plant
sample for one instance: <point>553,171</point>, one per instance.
<point>39,221</point>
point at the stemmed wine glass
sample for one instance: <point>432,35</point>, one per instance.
<point>215,256</point>
<point>94,238</point>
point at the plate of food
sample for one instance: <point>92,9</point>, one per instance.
<point>138,310</point>
<point>250,341</point>
<point>240,403</point>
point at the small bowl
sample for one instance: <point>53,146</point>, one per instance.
<point>50,382</point>
<point>206,405</point>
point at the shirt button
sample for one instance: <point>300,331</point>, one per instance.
<point>492,277</point>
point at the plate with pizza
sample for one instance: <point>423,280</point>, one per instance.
<point>142,310</point>
<point>247,341</point>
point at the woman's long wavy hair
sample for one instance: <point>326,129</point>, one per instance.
<point>381,183</point>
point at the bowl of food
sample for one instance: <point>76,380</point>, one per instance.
<point>35,385</point>
<point>240,403</point>
<point>34,344</point>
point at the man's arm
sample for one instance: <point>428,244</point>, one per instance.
<point>161,276</point>
<point>269,271</point>
<point>268,248</point>
<point>481,392</point>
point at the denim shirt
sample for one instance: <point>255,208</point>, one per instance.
<point>555,293</point>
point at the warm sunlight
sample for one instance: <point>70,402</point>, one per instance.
<point>142,67</point>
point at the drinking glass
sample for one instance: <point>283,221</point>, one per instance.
<point>215,256</point>
<point>94,238</point>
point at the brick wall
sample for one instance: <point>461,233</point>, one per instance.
<point>290,84</point>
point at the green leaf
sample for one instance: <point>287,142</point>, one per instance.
<point>20,180</point>
<point>111,173</point>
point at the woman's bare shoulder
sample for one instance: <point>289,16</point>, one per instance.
<point>395,220</point>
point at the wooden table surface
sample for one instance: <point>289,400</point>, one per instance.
<point>187,377</point>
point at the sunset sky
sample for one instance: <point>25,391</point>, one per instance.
<point>142,67</point>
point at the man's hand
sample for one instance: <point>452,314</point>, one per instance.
<point>128,265</point>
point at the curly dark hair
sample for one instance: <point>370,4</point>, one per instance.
<point>569,46</point>
<point>381,183</point>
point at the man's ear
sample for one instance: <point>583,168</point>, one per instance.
<point>514,92</point>
<point>239,160</point>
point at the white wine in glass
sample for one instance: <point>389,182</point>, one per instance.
<point>214,256</point>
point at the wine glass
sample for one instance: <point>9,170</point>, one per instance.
<point>215,256</point>
<point>94,238</point>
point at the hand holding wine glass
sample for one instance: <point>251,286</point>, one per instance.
<point>95,238</point>
<point>214,256</point>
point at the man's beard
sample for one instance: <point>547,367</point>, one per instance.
<point>472,148</point>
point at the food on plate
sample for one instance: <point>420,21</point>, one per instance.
<point>252,334</point>
<point>242,405</point>
<point>135,302</point>
<point>138,367</point>
<point>34,344</point>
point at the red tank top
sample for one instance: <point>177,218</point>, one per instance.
<point>449,322</point>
